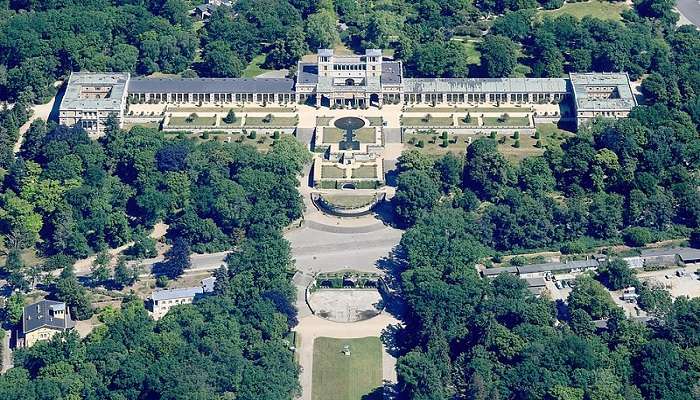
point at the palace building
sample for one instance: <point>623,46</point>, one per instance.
<point>343,81</point>
<point>92,97</point>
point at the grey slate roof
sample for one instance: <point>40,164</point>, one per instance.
<point>172,294</point>
<point>580,81</point>
<point>551,267</point>
<point>497,271</point>
<point>211,85</point>
<point>391,72</point>
<point>77,80</point>
<point>485,85</point>
<point>535,282</point>
<point>685,253</point>
<point>39,315</point>
<point>307,74</point>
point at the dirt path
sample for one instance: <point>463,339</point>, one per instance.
<point>39,111</point>
<point>311,327</point>
<point>6,353</point>
<point>82,267</point>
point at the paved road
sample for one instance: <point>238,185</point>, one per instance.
<point>200,262</point>
<point>690,9</point>
<point>317,251</point>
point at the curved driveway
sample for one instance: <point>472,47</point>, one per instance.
<point>690,9</point>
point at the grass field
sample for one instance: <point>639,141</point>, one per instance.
<point>331,171</point>
<point>255,67</point>
<point>340,377</point>
<point>224,110</point>
<point>275,121</point>
<point>550,135</point>
<point>366,135</point>
<point>511,121</point>
<point>375,121</point>
<point>435,149</point>
<point>365,171</point>
<point>332,135</point>
<point>473,55</point>
<point>198,121</point>
<point>425,121</point>
<point>474,121</point>
<point>471,110</point>
<point>594,8</point>
<point>154,125</point>
<point>323,121</point>
<point>349,201</point>
<point>263,142</point>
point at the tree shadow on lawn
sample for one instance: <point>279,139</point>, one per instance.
<point>387,391</point>
<point>384,211</point>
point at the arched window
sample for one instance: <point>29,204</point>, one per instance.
<point>349,82</point>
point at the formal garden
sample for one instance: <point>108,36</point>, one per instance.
<point>514,146</point>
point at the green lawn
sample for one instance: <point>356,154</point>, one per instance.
<point>153,125</point>
<point>473,55</point>
<point>436,148</point>
<point>473,121</point>
<point>275,121</point>
<point>332,135</point>
<point>375,121</point>
<point>472,110</point>
<point>331,171</point>
<point>236,123</point>
<point>594,8</point>
<point>198,121</point>
<point>255,67</point>
<point>365,171</point>
<point>426,121</point>
<point>340,377</point>
<point>550,135</point>
<point>349,201</point>
<point>323,121</point>
<point>366,135</point>
<point>225,110</point>
<point>511,121</point>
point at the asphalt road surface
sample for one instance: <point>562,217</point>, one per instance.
<point>690,9</point>
<point>317,251</point>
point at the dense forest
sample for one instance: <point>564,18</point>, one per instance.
<point>633,181</point>
<point>68,196</point>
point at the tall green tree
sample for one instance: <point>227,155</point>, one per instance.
<point>498,56</point>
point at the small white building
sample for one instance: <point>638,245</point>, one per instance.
<point>163,300</point>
